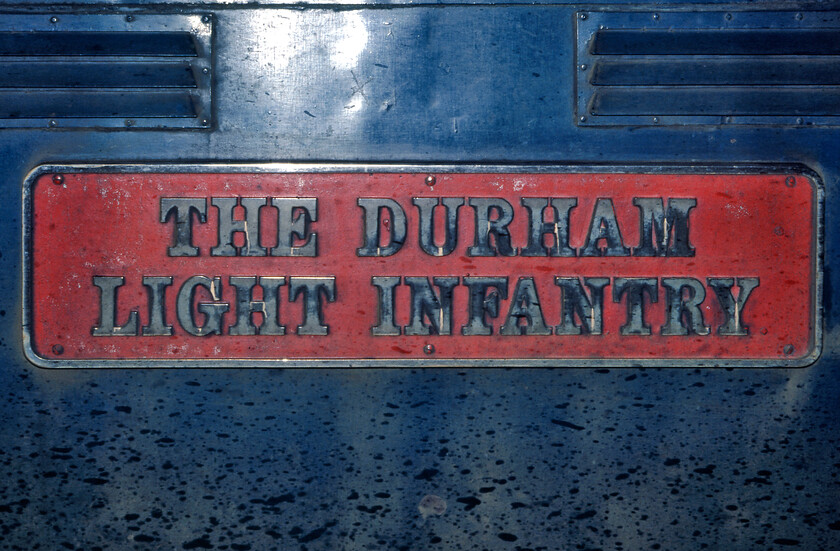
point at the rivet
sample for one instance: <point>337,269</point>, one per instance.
<point>728,16</point>
<point>583,17</point>
<point>656,17</point>
<point>799,120</point>
<point>430,180</point>
<point>798,17</point>
<point>583,66</point>
<point>58,349</point>
<point>727,120</point>
<point>129,123</point>
<point>582,118</point>
<point>429,349</point>
<point>655,120</point>
<point>53,123</point>
<point>58,179</point>
<point>129,18</point>
<point>205,19</point>
<point>790,181</point>
<point>206,71</point>
<point>778,230</point>
<point>205,122</point>
<point>788,349</point>
<point>53,19</point>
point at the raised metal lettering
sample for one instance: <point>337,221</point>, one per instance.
<point>182,208</point>
<point>656,227</point>
<point>525,306</point>
<point>290,226</point>
<point>213,311</point>
<point>426,304</point>
<point>228,226</point>
<point>312,289</point>
<point>604,226</point>
<point>426,206</point>
<point>107,326</point>
<point>733,308</point>
<point>156,286</point>
<point>483,304</point>
<point>385,325</point>
<point>557,230</point>
<point>246,306</point>
<point>492,217</point>
<point>589,309</point>
<point>373,222</point>
<point>635,289</point>
<point>683,297</point>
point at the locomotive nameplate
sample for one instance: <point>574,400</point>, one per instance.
<point>294,266</point>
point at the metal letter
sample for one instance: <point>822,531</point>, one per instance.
<point>183,207</point>
<point>312,288</point>
<point>485,226</point>
<point>426,206</point>
<point>483,304</point>
<point>246,306</point>
<point>271,297</point>
<point>213,311</point>
<point>425,303</point>
<point>635,289</point>
<point>157,306</point>
<point>733,309</point>
<point>107,326</point>
<point>289,226</point>
<point>373,221</point>
<point>525,305</point>
<point>385,325</point>
<point>679,309</point>
<point>575,301</point>
<point>228,226</point>
<point>558,229</point>
<point>655,227</point>
<point>604,226</point>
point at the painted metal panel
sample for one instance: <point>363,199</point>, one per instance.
<point>535,458</point>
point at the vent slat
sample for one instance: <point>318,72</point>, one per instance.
<point>95,75</point>
<point>719,72</point>
<point>718,102</point>
<point>57,105</point>
<point>164,44</point>
<point>758,42</point>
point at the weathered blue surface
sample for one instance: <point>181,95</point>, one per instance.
<point>340,459</point>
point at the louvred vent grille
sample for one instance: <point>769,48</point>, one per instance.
<point>126,71</point>
<point>758,68</point>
